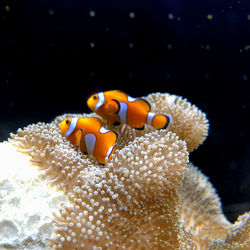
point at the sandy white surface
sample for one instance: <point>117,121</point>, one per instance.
<point>26,202</point>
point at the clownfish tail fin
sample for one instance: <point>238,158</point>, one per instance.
<point>159,121</point>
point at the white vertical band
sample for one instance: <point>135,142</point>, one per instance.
<point>72,126</point>
<point>150,117</point>
<point>110,150</point>
<point>131,99</point>
<point>90,140</point>
<point>101,99</point>
<point>103,130</point>
<point>123,112</point>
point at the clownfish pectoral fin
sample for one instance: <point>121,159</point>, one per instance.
<point>143,103</point>
<point>118,105</point>
<point>112,107</point>
<point>82,144</point>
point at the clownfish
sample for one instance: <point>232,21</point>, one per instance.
<point>117,107</point>
<point>90,136</point>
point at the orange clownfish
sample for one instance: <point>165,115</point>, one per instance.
<point>117,107</point>
<point>90,136</point>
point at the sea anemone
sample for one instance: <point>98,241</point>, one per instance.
<point>147,196</point>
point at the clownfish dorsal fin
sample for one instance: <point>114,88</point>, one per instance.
<point>143,103</point>
<point>117,94</point>
<point>95,121</point>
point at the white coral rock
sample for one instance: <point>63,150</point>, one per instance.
<point>26,202</point>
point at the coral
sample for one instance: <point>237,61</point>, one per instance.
<point>135,195</point>
<point>189,123</point>
<point>26,202</point>
<point>201,209</point>
<point>145,197</point>
<point>238,236</point>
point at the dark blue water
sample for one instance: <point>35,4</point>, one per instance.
<point>53,54</point>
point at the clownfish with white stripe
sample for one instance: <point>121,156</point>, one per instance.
<point>117,107</point>
<point>90,136</point>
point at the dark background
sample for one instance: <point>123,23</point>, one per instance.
<point>54,54</point>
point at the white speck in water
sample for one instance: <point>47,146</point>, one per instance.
<point>92,13</point>
<point>245,77</point>
<point>247,47</point>
<point>170,16</point>
<point>131,45</point>
<point>92,44</point>
<point>210,16</point>
<point>169,46</point>
<point>208,47</point>
<point>168,76</point>
<point>132,15</point>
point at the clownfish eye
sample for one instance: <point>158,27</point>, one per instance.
<point>94,97</point>
<point>67,122</point>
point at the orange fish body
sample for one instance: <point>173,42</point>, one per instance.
<point>90,136</point>
<point>118,107</point>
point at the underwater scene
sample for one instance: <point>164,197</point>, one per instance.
<point>125,124</point>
